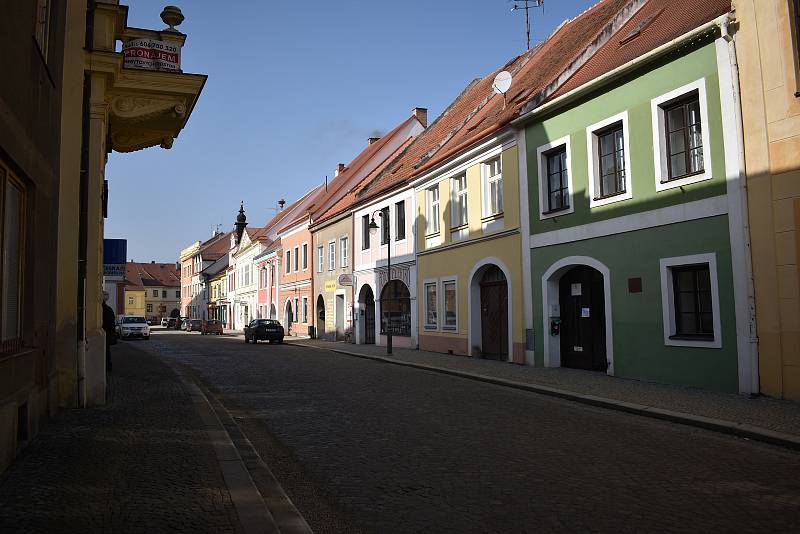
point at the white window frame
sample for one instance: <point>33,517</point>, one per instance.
<point>320,258</point>
<point>296,258</point>
<point>449,280</point>
<point>305,256</point>
<point>332,255</point>
<point>668,300</point>
<point>397,224</point>
<point>296,310</point>
<point>543,187</point>
<point>344,258</point>
<point>430,282</point>
<point>659,137</point>
<point>288,261</point>
<point>456,198</point>
<point>485,181</point>
<point>305,310</point>
<point>432,223</point>
<point>594,163</point>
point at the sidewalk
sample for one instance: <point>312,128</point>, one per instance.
<point>761,418</point>
<point>148,461</point>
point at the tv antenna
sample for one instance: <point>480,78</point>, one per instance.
<point>526,5</point>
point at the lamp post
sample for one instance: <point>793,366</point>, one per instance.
<point>373,229</point>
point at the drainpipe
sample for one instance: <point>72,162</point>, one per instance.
<point>752,349</point>
<point>83,213</point>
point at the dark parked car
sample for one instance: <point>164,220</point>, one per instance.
<point>194,325</point>
<point>211,327</point>
<point>263,329</point>
<point>171,322</point>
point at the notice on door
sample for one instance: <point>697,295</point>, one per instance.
<point>577,349</point>
<point>576,290</point>
<point>584,312</point>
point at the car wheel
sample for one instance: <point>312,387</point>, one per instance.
<point>280,341</point>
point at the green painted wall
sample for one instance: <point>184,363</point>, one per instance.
<point>639,350</point>
<point>633,94</point>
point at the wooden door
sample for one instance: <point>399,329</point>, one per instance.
<point>494,319</point>
<point>583,326</point>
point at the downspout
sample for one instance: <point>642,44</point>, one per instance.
<point>752,349</point>
<point>83,213</point>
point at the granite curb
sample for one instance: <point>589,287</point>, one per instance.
<point>269,512</point>
<point>742,430</point>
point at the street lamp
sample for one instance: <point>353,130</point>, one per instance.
<point>373,230</point>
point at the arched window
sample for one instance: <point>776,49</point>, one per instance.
<point>396,309</point>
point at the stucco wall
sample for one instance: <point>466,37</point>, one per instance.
<point>769,78</point>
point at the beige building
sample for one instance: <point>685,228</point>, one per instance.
<point>767,43</point>
<point>73,100</point>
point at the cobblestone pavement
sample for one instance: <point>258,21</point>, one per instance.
<point>142,463</point>
<point>772,414</point>
<point>405,450</point>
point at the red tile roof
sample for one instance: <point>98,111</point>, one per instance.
<point>655,24</point>
<point>215,247</point>
<point>143,275</point>
<point>478,111</point>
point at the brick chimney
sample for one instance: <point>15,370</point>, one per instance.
<point>371,140</point>
<point>339,168</point>
<point>422,115</point>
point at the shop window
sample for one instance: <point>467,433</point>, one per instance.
<point>431,306</point>
<point>450,305</point>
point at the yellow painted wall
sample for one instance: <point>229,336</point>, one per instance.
<point>769,77</point>
<point>138,305</point>
<point>510,163</point>
<point>459,258</point>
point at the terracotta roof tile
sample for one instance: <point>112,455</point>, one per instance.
<point>151,274</point>
<point>655,24</point>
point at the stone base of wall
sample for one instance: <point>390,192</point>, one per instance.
<point>445,344</point>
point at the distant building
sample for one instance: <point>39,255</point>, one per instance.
<point>149,289</point>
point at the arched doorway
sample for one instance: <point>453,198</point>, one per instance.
<point>396,309</point>
<point>320,316</point>
<point>288,316</point>
<point>583,327</point>
<point>366,319</point>
<point>494,313</point>
<point>576,305</point>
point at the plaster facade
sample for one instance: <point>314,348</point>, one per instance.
<point>769,77</point>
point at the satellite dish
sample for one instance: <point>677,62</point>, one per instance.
<point>502,82</point>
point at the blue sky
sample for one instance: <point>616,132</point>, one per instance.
<point>295,87</point>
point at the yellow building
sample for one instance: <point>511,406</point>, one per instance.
<point>469,266</point>
<point>135,301</point>
<point>120,107</point>
<point>767,44</point>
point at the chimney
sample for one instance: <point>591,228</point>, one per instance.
<point>178,266</point>
<point>422,115</point>
<point>152,261</point>
<point>339,168</point>
<point>371,140</point>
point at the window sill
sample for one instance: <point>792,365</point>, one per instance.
<point>459,228</point>
<point>682,177</point>
<point>600,199</point>
<point>429,328</point>
<point>493,217</point>
<point>564,210</point>
<point>433,234</point>
<point>450,328</point>
<point>700,338</point>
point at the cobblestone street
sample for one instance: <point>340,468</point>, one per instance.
<point>142,463</point>
<point>362,445</point>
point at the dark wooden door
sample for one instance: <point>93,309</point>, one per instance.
<point>369,319</point>
<point>583,325</point>
<point>494,319</point>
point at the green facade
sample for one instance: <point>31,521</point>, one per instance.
<point>633,94</point>
<point>639,349</point>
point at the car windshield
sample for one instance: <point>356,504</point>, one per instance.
<point>126,320</point>
<point>270,322</point>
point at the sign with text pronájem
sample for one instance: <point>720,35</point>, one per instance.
<point>330,286</point>
<point>151,54</point>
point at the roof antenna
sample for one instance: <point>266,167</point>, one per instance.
<point>526,5</point>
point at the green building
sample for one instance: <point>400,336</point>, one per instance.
<point>638,253</point>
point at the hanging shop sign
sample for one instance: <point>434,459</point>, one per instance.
<point>345,280</point>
